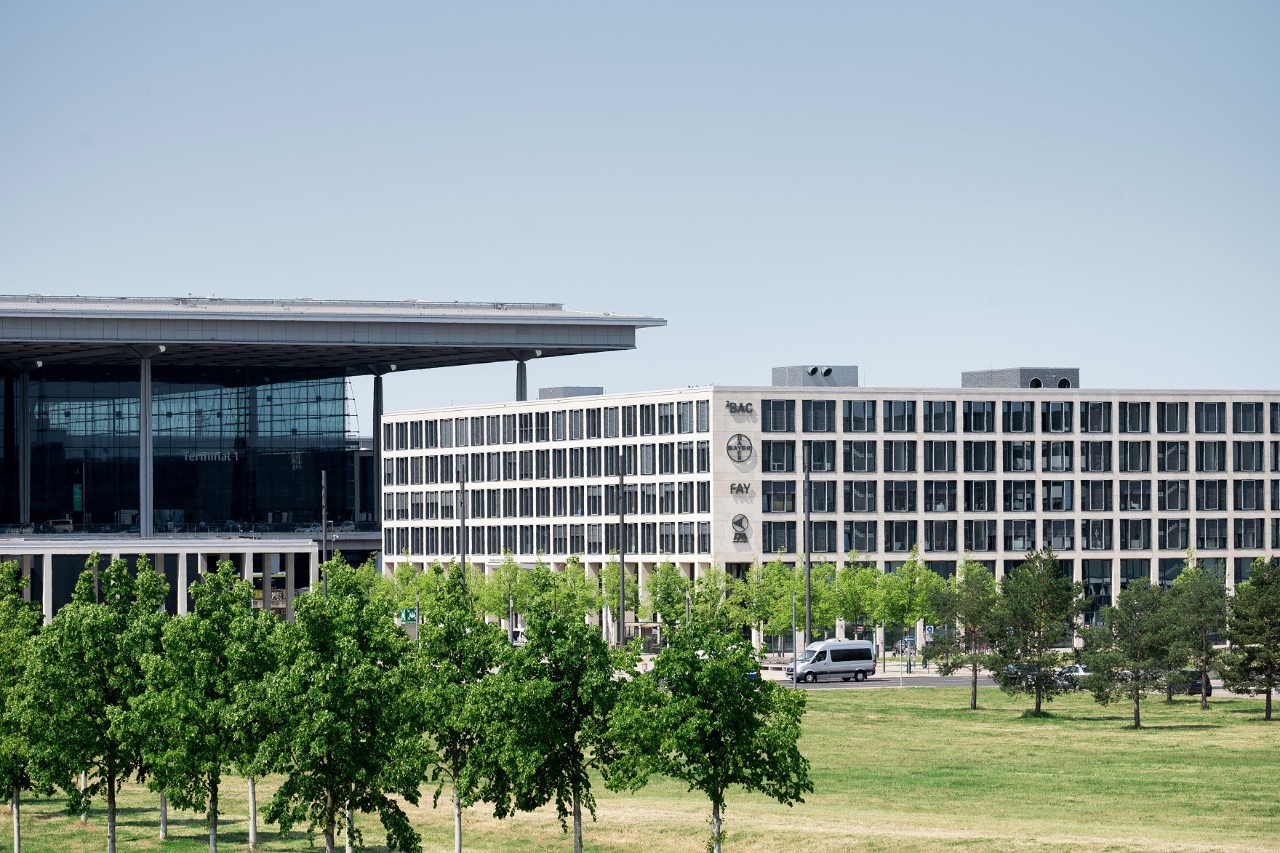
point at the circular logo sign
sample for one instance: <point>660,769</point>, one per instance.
<point>740,527</point>
<point>738,448</point>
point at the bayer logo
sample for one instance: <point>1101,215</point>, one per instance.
<point>738,448</point>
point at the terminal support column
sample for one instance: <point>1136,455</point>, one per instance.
<point>146,467</point>
<point>377,449</point>
<point>24,448</point>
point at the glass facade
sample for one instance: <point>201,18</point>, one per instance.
<point>232,451</point>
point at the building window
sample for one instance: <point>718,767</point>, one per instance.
<point>860,537</point>
<point>777,415</point>
<point>1173,534</point>
<point>1211,457</point>
<point>778,496</point>
<point>1135,457</point>
<point>899,536</point>
<point>1056,456</point>
<point>1019,495</point>
<point>939,536</point>
<point>1248,457</point>
<point>779,537</point>
<point>1247,417</point>
<point>1059,534</point>
<point>1055,416</point>
<point>1173,496</point>
<point>704,537</point>
<point>900,496</point>
<point>1211,417</point>
<point>778,456</point>
<point>1135,495</point>
<point>1058,496</point>
<point>1211,495</point>
<point>1249,496</point>
<point>1019,456</point>
<point>822,456</point>
<point>822,537</point>
<point>980,496</point>
<point>980,457</point>
<point>1249,533</point>
<point>822,496</point>
<point>1019,416</point>
<point>979,416</point>
<point>1095,534</point>
<point>819,415</point>
<point>859,457</point>
<point>684,457</point>
<point>899,416</point>
<point>1020,535</point>
<point>647,419</point>
<point>1171,457</point>
<point>939,416</point>
<point>1095,495</point>
<point>667,418</point>
<point>859,415</point>
<point>1135,417</point>
<point>1096,575</point>
<point>1171,417</point>
<point>703,408</point>
<point>611,424</point>
<point>940,457</point>
<point>980,535</point>
<point>860,496</point>
<point>1211,534</point>
<point>704,457</point>
<point>1094,417</point>
<point>1135,534</point>
<point>939,495</point>
<point>628,421</point>
<point>900,456</point>
<point>1095,457</point>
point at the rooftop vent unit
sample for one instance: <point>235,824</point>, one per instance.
<point>816,376</point>
<point>1022,377</point>
<point>570,391</point>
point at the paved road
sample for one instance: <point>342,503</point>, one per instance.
<point>891,680</point>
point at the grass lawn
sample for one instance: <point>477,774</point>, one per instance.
<point>893,770</point>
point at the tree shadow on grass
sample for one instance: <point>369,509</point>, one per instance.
<point>1189,727</point>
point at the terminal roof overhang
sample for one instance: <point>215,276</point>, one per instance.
<point>297,337</point>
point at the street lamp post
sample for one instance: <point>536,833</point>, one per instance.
<point>622,550</point>
<point>462,518</point>
<point>808,548</point>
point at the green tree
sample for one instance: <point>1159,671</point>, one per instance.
<point>777,584</point>
<point>969,601</point>
<point>856,592</point>
<point>339,720</point>
<point>1253,630</point>
<point>1132,652</point>
<point>824,597</point>
<point>609,586</point>
<point>460,693</point>
<point>666,593</point>
<point>1033,620</point>
<point>566,714</point>
<point>82,675</point>
<point>697,717</point>
<point>1199,602</point>
<point>751,600</point>
<point>19,623</point>
<point>196,729</point>
<point>907,594</point>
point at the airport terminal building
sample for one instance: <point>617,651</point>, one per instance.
<point>1120,483</point>
<point>197,429</point>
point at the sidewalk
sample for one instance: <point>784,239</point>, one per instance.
<point>774,667</point>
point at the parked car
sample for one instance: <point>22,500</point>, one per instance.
<point>847,659</point>
<point>1188,682</point>
<point>1070,676</point>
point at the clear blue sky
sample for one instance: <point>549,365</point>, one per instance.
<point>914,188</point>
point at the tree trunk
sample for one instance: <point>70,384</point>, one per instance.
<point>213,814</point>
<point>351,822</point>
<point>715,827</point>
<point>1204,688</point>
<point>973,690</point>
<point>84,785</point>
<point>16,805</point>
<point>1039,692</point>
<point>1137,710</point>
<point>1268,714</point>
<point>577,822</point>
<point>253,813</point>
<point>164,817</point>
<point>329,809</point>
<point>111,811</point>
<point>457,820</point>
<point>1168,693</point>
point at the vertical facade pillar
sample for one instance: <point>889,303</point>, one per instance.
<point>182,583</point>
<point>288,586</point>
<point>24,448</point>
<point>268,568</point>
<point>377,449</point>
<point>522,381</point>
<point>146,458</point>
<point>46,588</point>
<point>315,569</point>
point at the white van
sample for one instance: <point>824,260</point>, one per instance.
<point>847,659</point>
